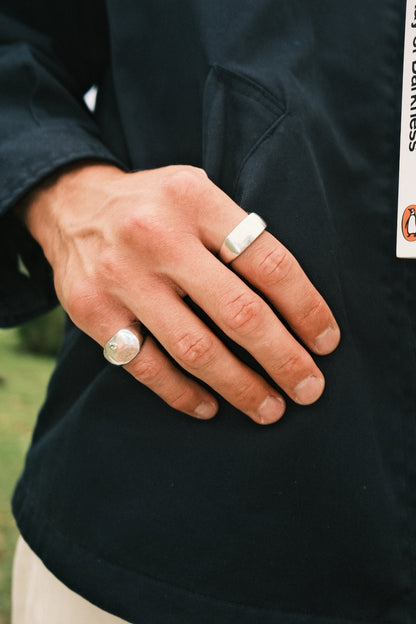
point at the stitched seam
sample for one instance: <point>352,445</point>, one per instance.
<point>251,89</point>
<point>270,130</point>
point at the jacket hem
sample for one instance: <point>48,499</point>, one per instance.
<point>138,597</point>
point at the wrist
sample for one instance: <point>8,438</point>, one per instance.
<point>63,195</point>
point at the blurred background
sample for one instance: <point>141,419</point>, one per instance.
<point>27,356</point>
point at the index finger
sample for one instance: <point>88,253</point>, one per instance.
<point>273,270</point>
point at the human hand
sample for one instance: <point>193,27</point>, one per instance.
<point>128,246</point>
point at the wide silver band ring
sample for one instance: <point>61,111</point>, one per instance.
<point>124,346</point>
<point>241,237</point>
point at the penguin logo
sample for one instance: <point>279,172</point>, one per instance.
<point>409,223</point>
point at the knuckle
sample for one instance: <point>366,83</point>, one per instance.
<point>136,226</point>
<point>182,400</point>
<point>316,308</point>
<point>191,169</point>
<point>146,370</point>
<point>184,184</point>
<point>291,365</point>
<point>128,228</point>
<point>245,392</point>
<point>194,352</point>
<point>145,233</point>
<point>108,268</point>
<point>82,302</point>
<point>277,265</point>
<point>243,313</point>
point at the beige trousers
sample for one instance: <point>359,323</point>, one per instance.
<point>39,598</point>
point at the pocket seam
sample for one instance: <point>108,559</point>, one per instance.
<point>269,131</point>
<point>249,88</point>
<point>245,87</point>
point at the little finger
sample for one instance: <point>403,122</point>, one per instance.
<point>154,369</point>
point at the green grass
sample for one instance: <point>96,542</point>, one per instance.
<point>23,381</point>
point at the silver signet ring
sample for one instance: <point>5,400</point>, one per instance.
<point>123,347</point>
<point>241,237</point>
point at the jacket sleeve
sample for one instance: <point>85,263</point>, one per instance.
<point>51,53</point>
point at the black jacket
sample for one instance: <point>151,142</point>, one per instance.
<point>292,107</point>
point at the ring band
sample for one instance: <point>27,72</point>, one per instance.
<point>123,347</point>
<point>241,237</point>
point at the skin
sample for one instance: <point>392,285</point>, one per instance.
<point>128,246</point>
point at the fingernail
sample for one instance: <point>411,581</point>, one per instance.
<point>205,410</point>
<point>270,410</point>
<point>327,341</point>
<point>309,390</point>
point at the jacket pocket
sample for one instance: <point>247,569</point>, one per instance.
<point>239,114</point>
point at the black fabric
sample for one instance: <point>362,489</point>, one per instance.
<point>293,108</point>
